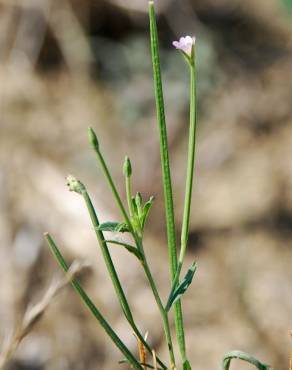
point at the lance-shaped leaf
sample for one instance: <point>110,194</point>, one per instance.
<point>129,248</point>
<point>177,292</point>
<point>146,209</point>
<point>135,206</point>
<point>244,357</point>
<point>120,227</point>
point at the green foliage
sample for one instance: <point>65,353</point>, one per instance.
<point>140,211</point>
<point>146,209</point>
<point>130,248</point>
<point>244,357</point>
<point>115,227</point>
<point>179,290</point>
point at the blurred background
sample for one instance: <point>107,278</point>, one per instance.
<point>69,64</point>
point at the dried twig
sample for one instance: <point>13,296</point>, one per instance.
<point>35,312</point>
<point>142,352</point>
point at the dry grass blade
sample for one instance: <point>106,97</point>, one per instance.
<point>142,352</point>
<point>35,312</point>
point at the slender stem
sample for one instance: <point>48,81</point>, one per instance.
<point>169,211</point>
<point>140,248</point>
<point>114,191</point>
<point>107,257</point>
<point>190,173</point>
<point>163,313</point>
<point>91,306</point>
<point>112,272</point>
<point>190,165</point>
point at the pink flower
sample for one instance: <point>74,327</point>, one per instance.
<point>185,44</point>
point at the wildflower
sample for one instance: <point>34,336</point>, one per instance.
<point>185,44</point>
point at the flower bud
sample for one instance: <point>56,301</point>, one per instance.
<point>127,169</point>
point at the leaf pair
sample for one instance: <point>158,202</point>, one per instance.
<point>140,216</point>
<point>122,228</point>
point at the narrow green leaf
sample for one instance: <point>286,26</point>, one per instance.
<point>146,209</point>
<point>91,306</point>
<point>244,357</point>
<point>139,200</point>
<point>129,247</point>
<point>182,287</point>
<point>135,206</point>
<point>114,227</point>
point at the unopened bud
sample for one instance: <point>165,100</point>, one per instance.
<point>127,169</point>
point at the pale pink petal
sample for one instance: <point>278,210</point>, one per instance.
<point>185,44</point>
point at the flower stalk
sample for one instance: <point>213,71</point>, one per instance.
<point>190,164</point>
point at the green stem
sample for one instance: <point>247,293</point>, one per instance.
<point>140,248</point>
<point>91,306</point>
<point>112,272</point>
<point>107,257</point>
<point>190,166</point>
<point>163,313</point>
<point>114,191</point>
<point>171,237</point>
